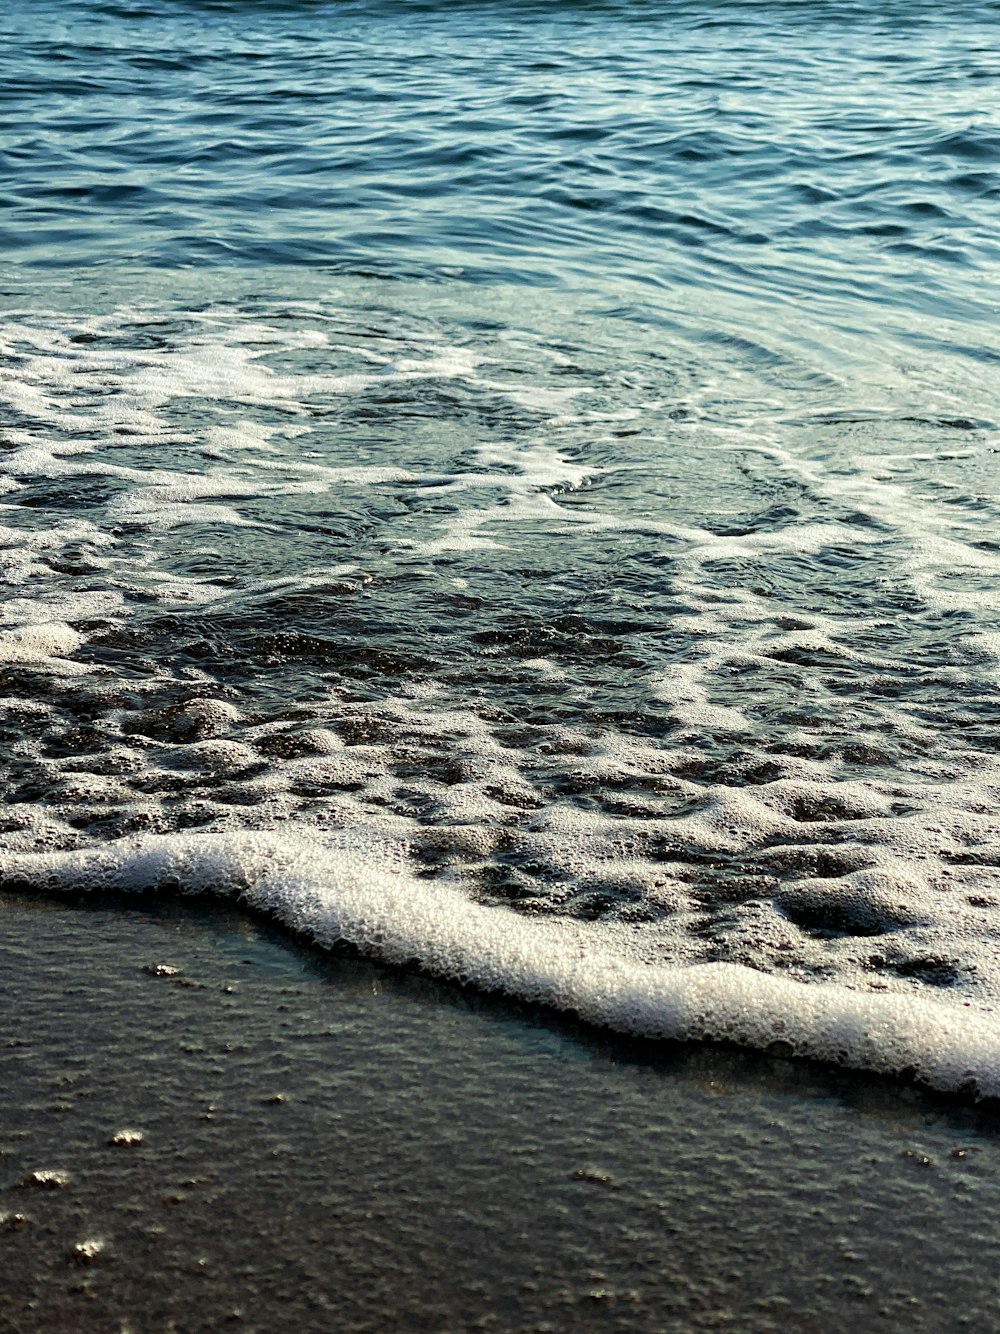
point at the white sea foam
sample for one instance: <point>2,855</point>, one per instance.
<point>738,888</point>
<point>39,644</point>
<point>358,892</point>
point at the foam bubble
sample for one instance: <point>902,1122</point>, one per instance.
<point>39,643</point>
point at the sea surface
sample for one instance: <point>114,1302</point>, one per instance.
<point>514,488</point>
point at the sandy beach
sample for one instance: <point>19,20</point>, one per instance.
<point>207,1126</point>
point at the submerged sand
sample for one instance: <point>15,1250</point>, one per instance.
<point>206,1126</point>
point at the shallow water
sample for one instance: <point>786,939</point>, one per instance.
<point>514,488</point>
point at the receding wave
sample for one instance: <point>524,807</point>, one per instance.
<point>513,487</point>
<point>512,708</point>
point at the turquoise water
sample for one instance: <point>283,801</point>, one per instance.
<point>513,487</point>
<point>797,153</point>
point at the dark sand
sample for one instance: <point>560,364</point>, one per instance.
<point>327,1145</point>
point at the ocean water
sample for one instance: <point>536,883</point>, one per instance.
<point>513,488</point>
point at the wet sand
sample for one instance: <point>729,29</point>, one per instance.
<point>322,1144</point>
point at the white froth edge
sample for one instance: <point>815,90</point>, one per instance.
<point>359,891</point>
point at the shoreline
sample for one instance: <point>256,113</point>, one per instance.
<point>341,1145</point>
<point>353,894</point>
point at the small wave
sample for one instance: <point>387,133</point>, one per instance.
<point>353,893</point>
